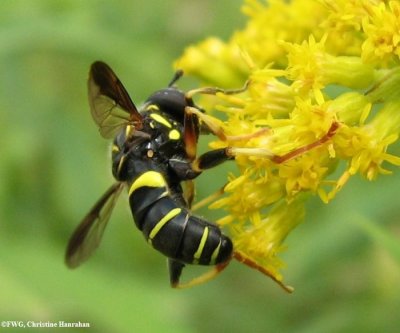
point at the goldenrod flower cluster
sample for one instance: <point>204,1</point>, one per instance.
<point>324,80</point>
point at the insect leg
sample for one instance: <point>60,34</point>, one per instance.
<point>215,90</point>
<point>216,157</point>
<point>242,258</point>
<point>175,270</point>
<point>294,153</point>
<point>189,192</point>
<point>214,126</point>
<point>191,132</point>
<point>211,198</point>
<point>211,159</point>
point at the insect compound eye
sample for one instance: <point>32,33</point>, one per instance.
<point>171,101</point>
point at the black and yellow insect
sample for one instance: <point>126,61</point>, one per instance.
<point>154,151</point>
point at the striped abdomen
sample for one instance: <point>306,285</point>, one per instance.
<point>170,228</point>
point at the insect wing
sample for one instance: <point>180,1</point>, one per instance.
<point>110,104</point>
<point>87,236</point>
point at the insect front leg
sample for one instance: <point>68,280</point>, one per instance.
<point>214,126</point>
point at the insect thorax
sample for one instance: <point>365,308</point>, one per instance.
<point>159,140</point>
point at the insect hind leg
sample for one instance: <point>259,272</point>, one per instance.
<point>175,271</point>
<point>242,258</point>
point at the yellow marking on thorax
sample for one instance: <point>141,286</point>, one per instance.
<point>152,107</point>
<point>160,119</point>
<point>200,249</point>
<point>128,130</point>
<point>174,134</point>
<point>150,153</point>
<point>174,212</point>
<point>115,149</point>
<point>150,179</point>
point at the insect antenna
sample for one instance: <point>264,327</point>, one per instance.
<point>178,74</point>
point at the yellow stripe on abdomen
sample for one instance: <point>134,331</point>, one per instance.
<point>163,221</point>
<point>200,248</point>
<point>215,253</point>
<point>148,179</point>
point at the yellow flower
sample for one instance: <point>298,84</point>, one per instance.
<point>312,68</point>
<point>303,176</point>
<point>274,22</point>
<point>343,25</point>
<point>323,91</point>
<point>262,238</point>
<point>214,62</point>
<point>382,30</point>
